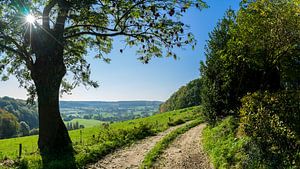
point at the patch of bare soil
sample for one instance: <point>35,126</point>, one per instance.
<point>132,156</point>
<point>185,152</point>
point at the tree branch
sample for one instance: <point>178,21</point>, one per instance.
<point>127,12</point>
<point>94,34</point>
<point>19,51</point>
<point>94,26</point>
<point>46,12</point>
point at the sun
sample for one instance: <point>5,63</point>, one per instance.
<point>30,19</point>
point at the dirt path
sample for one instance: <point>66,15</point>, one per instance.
<point>132,156</point>
<point>185,152</point>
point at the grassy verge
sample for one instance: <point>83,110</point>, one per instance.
<point>223,147</point>
<point>154,153</point>
<point>90,144</point>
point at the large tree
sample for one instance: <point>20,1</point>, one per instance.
<point>255,49</point>
<point>42,41</point>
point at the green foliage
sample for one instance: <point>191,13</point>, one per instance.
<point>267,37</point>
<point>34,132</point>
<point>23,111</point>
<point>8,124</point>
<point>186,96</point>
<point>223,147</point>
<point>255,49</point>
<point>272,122</point>
<point>156,151</point>
<point>221,86</point>
<point>24,128</point>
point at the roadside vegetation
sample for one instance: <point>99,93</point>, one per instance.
<point>250,90</point>
<point>90,144</point>
<point>224,148</point>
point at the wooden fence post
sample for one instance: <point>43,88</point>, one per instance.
<point>20,150</point>
<point>80,136</point>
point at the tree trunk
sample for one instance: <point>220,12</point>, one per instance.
<point>54,141</point>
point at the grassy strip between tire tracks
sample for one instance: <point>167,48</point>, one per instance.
<point>157,150</point>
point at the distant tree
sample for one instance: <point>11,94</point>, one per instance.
<point>34,132</point>
<point>87,116</point>
<point>70,126</point>
<point>186,96</point>
<point>24,128</point>
<point>8,124</point>
<point>40,41</point>
<point>75,125</point>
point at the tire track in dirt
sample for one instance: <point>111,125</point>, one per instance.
<point>185,152</point>
<point>132,156</point>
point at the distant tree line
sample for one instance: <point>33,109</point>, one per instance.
<point>21,110</point>
<point>186,96</point>
<point>10,127</point>
<point>74,126</point>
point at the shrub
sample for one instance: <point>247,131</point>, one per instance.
<point>272,122</point>
<point>34,132</point>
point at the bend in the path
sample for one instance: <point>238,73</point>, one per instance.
<point>185,152</point>
<point>131,157</point>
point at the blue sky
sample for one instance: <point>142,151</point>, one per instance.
<point>125,78</point>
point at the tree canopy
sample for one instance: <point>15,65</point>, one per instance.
<point>75,27</point>
<point>255,49</point>
<point>8,124</point>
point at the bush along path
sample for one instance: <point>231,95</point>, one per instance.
<point>133,155</point>
<point>183,152</point>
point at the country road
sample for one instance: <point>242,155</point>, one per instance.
<point>131,157</point>
<point>185,152</point>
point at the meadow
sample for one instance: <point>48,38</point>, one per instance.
<point>86,122</point>
<point>92,143</point>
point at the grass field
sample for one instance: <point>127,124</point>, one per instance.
<point>86,122</point>
<point>94,142</point>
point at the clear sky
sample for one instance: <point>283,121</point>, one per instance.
<point>125,78</point>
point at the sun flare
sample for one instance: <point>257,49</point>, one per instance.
<point>30,19</point>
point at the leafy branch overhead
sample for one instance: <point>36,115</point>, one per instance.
<point>75,27</point>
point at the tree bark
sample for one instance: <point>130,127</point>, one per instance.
<point>54,141</point>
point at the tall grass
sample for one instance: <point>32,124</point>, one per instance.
<point>223,147</point>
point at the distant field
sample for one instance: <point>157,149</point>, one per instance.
<point>86,140</point>
<point>86,122</point>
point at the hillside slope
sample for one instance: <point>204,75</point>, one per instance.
<point>186,96</point>
<point>19,108</point>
